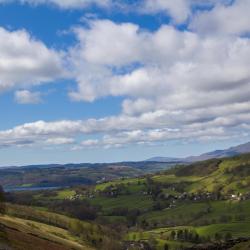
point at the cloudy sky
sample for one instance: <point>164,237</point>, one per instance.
<point>113,80</point>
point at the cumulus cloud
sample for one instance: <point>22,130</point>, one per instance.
<point>149,128</point>
<point>27,97</point>
<point>172,66</point>
<point>26,61</point>
<point>60,141</point>
<point>178,9</point>
<point>224,19</point>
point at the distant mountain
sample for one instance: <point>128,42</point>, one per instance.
<point>237,150</point>
<point>164,159</point>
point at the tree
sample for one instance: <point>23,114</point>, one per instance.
<point>180,234</point>
<point>166,246</point>
<point>144,224</point>
<point>134,237</point>
<point>152,242</point>
<point>196,238</point>
<point>173,234</point>
<point>76,227</point>
<point>132,216</point>
<point>228,236</point>
<point>186,233</point>
<point>217,237</point>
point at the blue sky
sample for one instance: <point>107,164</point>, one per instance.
<point>103,81</point>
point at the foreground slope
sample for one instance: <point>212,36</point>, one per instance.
<point>23,234</point>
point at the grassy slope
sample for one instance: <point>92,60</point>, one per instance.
<point>25,234</point>
<point>162,234</point>
<point>224,178</point>
<point>63,194</point>
<point>126,201</point>
<point>88,231</point>
<point>185,213</point>
<point>101,187</point>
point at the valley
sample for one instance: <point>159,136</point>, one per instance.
<point>185,207</point>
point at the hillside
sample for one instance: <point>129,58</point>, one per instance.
<point>187,206</point>
<point>23,234</point>
<point>23,226</point>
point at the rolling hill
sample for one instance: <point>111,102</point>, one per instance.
<point>189,206</point>
<point>44,176</point>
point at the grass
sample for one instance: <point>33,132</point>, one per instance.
<point>90,233</point>
<point>103,186</point>
<point>51,236</point>
<point>236,229</point>
<point>186,213</point>
<point>64,194</point>
<point>161,241</point>
<point>181,213</point>
<point>223,179</point>
<point>162,234</point>
<point>134,201</point>
<point>173,179</point>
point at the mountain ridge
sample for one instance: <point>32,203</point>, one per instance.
<point>232,151</point>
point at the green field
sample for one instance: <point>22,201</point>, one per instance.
<point>131,181</point>
<point>186,213</point>
<point>64,194</point>
<point>162,235</point>
<point>125,201</point>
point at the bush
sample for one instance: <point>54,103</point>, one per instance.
<point>81,210</point>
<point>228,236</point>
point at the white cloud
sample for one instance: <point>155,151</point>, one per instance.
<point>181,11</point>
<point>27,97</point>
<point>178,9</point>
<point>149,128</point>
<point>89,143</point>
<point>173,65</point>
<point>224,19</point>
<point>25,61</point>
<point>60,141</point>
